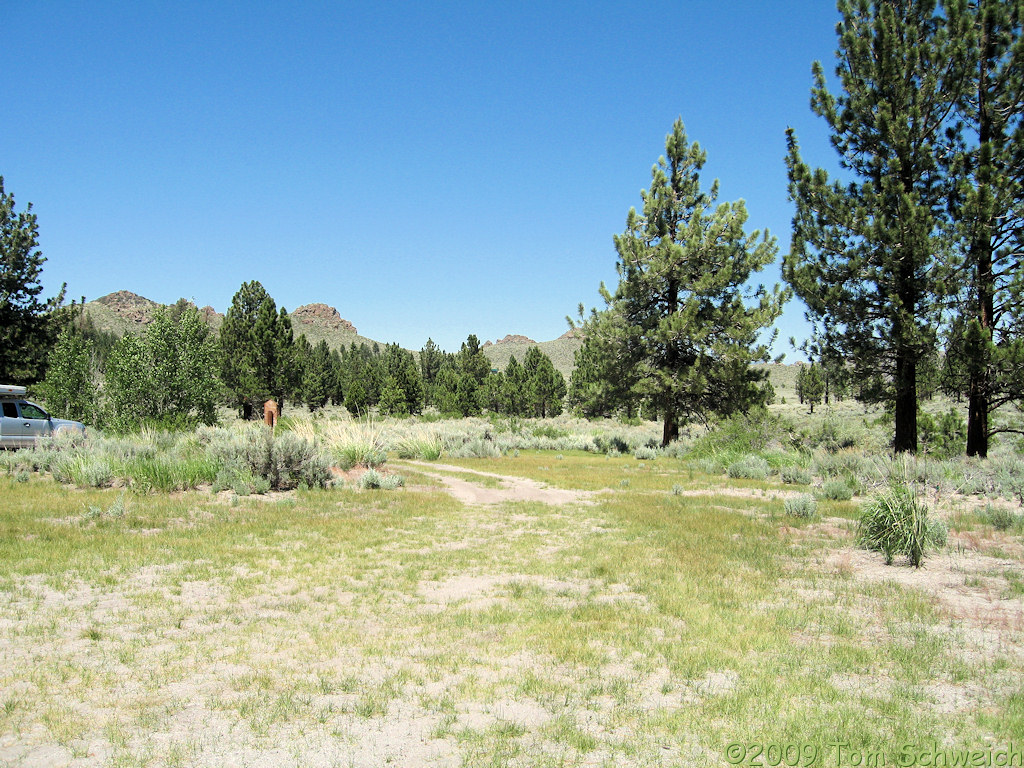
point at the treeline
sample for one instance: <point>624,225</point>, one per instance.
<point>177,371</point>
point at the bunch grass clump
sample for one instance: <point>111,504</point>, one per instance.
<point>350,443</point>
<point>895,522</point>
<point>84,470</point>
<point>169,472</point>
<point>420,442</point>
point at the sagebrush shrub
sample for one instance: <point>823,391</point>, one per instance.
<point>479,448</point>
<point>644,453</point>
<point>804,506</point>
<point>284,460</point>
<point>749,468</point>
<point>372,479</point>
<point>795,476</point>
<point>836,490</point>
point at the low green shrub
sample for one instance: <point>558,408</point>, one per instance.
<point>611,444</point>
<point>550,431</point>
<point>241,480</point>
<point>804,506</point>
<point>1009,478</point>
<point>645,453</point>
<point>832,437</point>
<point>999,517</point>
<point>745,433</point>
<point>942,437</point>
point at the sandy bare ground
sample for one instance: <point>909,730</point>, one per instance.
<point>393,654</point>
<point>512,488</point>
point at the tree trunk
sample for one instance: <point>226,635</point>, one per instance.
<point>981,255</point>
<point>977,424</point>
<point>671,430</point>
<point>906,403</point>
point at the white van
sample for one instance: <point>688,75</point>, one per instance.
<point>23,422</point>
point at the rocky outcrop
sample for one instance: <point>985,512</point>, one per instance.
<point>512,338</point>
<point>322,315</point>
<point>210,315</point>
<point>130,306</point>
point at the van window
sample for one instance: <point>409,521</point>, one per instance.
<point>10,410</point>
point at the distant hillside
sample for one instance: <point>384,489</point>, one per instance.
<point>319,322</point>
<point>126,312</point>
<point>562,350</point>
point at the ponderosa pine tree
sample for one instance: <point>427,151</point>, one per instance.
<point>989,210</point>
<point>256,349</point>
<point>25,331</point>
<point>594,388</point>
<point>317,376</point>
<point>682,324</point>
<point>399,365</point>
<point>863,253</point>
<point>516,396</point>
<point>545,386</point>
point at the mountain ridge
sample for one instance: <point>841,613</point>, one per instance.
<point>126,312</point>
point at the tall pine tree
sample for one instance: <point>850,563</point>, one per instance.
<point>989,207</point>
<point>256,349</point>
<point>25,332</point>
<point>863,255</point>
<point>683,324</point>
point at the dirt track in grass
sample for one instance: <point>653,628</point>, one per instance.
<point>510,488</point>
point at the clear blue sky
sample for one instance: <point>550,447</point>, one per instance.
<point>430,169</point>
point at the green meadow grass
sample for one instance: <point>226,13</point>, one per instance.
<point>649,627</point>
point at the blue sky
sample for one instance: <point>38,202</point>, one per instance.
<point>430,169</point>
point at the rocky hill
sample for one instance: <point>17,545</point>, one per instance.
<point>512,338</point>
<point>126,312</point>
<point>323,316</point>
<point>562,350</point>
